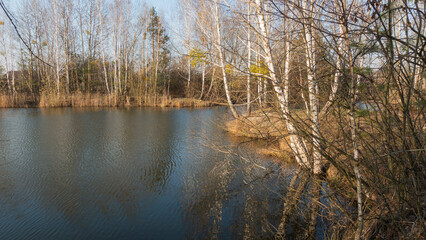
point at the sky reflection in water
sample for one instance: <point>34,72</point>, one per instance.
<point>131,174</point>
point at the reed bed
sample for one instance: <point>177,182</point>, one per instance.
<point>51,100</point>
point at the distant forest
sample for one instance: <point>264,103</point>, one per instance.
<point>119,49</point>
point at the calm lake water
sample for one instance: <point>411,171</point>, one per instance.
<point>133,174</point>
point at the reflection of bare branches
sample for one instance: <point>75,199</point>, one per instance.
<point>230,151</point>
<point>293,196</point>
<point>227,149</point>
<point>302,199</point>
<point>238,176</point>
<point>313,211</point>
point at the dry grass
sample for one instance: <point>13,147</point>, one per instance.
<point>180,103</point>
<point>48,100</point>
<point>281,151</point>
<point>80,100</point>
<point>259,125</point>
<point>16,100</point>
<point>76,100</point>
<point>268,127</point>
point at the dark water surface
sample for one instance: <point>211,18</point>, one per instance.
<point>132,174</point>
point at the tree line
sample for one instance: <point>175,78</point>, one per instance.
<point>112,48</point>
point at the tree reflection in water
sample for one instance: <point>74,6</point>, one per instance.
<point>281,201</point>
<point>133,173</point>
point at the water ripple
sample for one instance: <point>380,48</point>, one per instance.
<point>126,174</point>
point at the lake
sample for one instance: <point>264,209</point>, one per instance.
<point>138,173</point>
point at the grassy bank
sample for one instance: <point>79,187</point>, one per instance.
<point>265,127</point>
<point>268,128</point>
<point>95,100</point>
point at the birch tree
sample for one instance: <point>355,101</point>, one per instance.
<point>248,59</point>
<point>55,6</point>
<point>102,27</point>
<point>282,93</point>
<point>222,65</point>
<point>307,11</point>
<point>5,53</point>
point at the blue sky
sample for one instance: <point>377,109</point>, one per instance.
<point>169,9</point>
<point>165,6</point>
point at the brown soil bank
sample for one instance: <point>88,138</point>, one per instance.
<point>95,100</point>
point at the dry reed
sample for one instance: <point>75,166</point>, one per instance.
<point>48,100</point>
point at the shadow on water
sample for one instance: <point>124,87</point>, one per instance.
<point>145,173</point>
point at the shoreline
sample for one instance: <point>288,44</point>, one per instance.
<point>267,130</point>
<point>97,100</point>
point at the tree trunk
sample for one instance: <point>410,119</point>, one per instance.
<point>102,46</point>
<point>203,73</point>
<point>222,61</point>
<point>188,87</point>
<point>312,88</point>
<point>248,62</point>
<point>57,48</point>
<point>211,81</point>
<point>296,143</point>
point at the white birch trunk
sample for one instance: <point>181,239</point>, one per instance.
<point>354,98</point>
<point>313,89</point>
<point>66,17</point>
<point>296,144</point>
<point>186,6</point>
<point>115,58</point>
<point>12,83</point>
<point>203,74</point>
<point>222,60</point>
<point>145,70</point>
<point>57,48</point>
<point>157,60</point>
<point>211,81</point>
<point>101,2</point>
<point>357,170</point>
<point>248,61</point>
<point>189,75</point>
<point>259,85</point>
<point>120,23</point>
<point>81,34</point>
<point>5,53</point>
